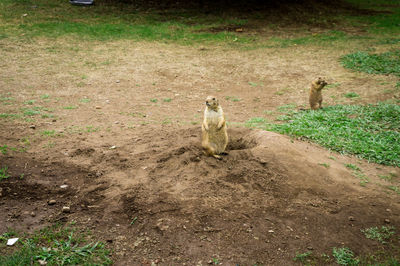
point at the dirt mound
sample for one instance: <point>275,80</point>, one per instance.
<point>158,198</point>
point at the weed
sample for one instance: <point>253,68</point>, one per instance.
<point>32,111</point>
<point>134,220</point>
<point>344,256</point>
<point>388,177</point>
<point>286,108</point>
<point>4,149</point>
<point>153,100</point>
<point>91,129</point>
<point>71,107</point>
<point>385,63</point>
<point>302,256</point>
<point>352,166</point>
<point>326,165</point>
<point>282,91</point>
<point>332,85</point>
<point>30,102</point>
<point>232,98</point>
<point>380,234</point>
<point>44,96</point>
<point>48,133</point>
<point>167,100</point>
<point>351,95</point>
<point>395,189</point>
<point>4,173</point>
<point>332,158</point>
<point>253,84</point>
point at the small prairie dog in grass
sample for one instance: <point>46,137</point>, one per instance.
<point>316,94</point>
<point>214,137</point>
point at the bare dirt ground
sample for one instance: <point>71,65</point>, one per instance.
<point>119,123</point>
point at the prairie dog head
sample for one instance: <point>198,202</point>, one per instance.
<point>212,102</point>
<point>318,84</point>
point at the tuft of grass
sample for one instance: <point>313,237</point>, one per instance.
<point>344,256</point>
<point>4,149</point>
<point>4,173</point>
<point>351,95</point>
<point>326,165</point>
<point>48,133</point>
<point>30,102</point>
<point>57,246</point>
<point>71,107</point>
<point>352,166</point>
<point>85,100</point>
<point>302,256</point>
<point>380,234</point>
<point>385,63</point>
<point>167,100</point>
<point>44,96</point>
<point>153,100</point>
<point>370,131</point>
<point>232,98</point>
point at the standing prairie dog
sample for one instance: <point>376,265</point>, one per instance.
<point>316,94</point>
<point>214,137</point>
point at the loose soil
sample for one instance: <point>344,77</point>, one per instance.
<point>126,118</point>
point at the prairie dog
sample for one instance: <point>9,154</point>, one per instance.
<point>315,93</point>
<point>214,137</point>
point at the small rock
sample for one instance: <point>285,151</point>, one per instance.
<point>63,186</point>
<point>52,202</point>
<point>296,236</point>
<point>388,210</point>
<point>98,107</point>
<point>387,221</point>
<point>54,120</point>
<point>12,241</point>
<point>310,248</point>
<point>118,81</point>
<point>116,122</point>
<point>33,214</point>
<point>351,218</point>
<point>270,231</point>
<point>32,126</point>
<point>113,147</point>
<point>66,209</point>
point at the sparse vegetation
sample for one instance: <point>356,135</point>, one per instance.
<point>381,234</point>
<point>301,257</point>
<point>351,95</point>
<point>4,173</point>
<point>344,256</point>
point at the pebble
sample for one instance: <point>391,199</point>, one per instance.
<point>33,214</point>
<point>351,218</point>
<point>113,147</point>
<point>66,209</point>
<point>310,248</point>
<point>51,202</point>
<point>32,126</point>
<point>270,231</point>
<point>118,81</point>
<point>63,186</point>
<point>387,221</point>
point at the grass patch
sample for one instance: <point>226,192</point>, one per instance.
<point>85,100</point>
<point>385,63</point>
<point>351,95</point>
<point>71,107</point>
<point>4,173</point>
<point>380,234</point>
<point>344,256</point>
<point>301,257</point>
<point>371,132</point>
<point>57,245</point>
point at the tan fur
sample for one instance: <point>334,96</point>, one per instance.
<point>214,132</point>
<point>316,94</point>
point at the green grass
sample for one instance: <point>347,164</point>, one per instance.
<point>85,100</point>
<point>344,256</point>
<point>48,133</point>
<point>371,132</point>
<point>4,173</point>
<point>385,63</point>
<point>301,257</point>
<point>153,100</point>
<point>71,107</point>
<point>351,95</point>
<point>56,245</point>
<point>380,234</point>
<point>352,166</point>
